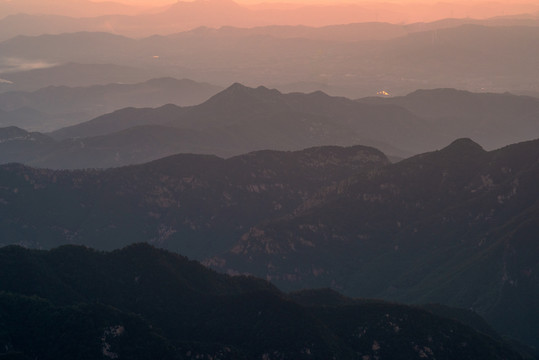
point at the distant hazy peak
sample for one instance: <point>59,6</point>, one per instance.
<point>238,87</point>
<point>439,91</point>
<point>464,146</point>
<point>11,132</point>
<point>241,92</point>
<point>317,95</point>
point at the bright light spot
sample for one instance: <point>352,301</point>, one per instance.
<point>383,93</point>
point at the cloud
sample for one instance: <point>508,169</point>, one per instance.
<point>11,64</point>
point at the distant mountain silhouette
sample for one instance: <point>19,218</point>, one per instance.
<point>234,121</point>
<point>441,54</point>
<point>492,119</point>
<point>242,119</point>
<point>186,15</point>
<point>54,107</point>
<point>461,57</point>
<point>12,132</point>
<point>73,75</point>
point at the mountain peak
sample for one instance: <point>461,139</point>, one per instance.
<point>465,146</point>
<point>240,93</point>
<point>10,132</point>
<point>240,87</point>
<point>237,87</point>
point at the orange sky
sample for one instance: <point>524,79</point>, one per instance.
<point>393,11</point>
<point>164,2</point>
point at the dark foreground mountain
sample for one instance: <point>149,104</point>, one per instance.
<point>55,107</point>
<point>144,303</point>
<point>457,226</point>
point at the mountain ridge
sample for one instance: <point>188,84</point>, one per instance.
<point>429,228</point>
<point>237,120</point>
<point>240,119</point>
<point>348,66</point>
<point>55,107</point>
<point>201,314</point>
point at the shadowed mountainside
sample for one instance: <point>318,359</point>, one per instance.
<point>140,303</point>
<point>194,204</point>
<point>456,226</point>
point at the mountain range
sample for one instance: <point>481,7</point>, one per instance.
<point>351,66</point>
<point>273,183</point>
<point>235,121</point>
<point>327,208</point>
<point>30,17</point>
<point>55,107</point>
<point>240,119</point>
<point>455,226</point>
<point>42,75</point>
<point>485,117</point>
<point>141,303</point>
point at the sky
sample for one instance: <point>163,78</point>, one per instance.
<point>393,11</point>
<point>509,6</point>
<point>326,1</point>
<point>165,2</point>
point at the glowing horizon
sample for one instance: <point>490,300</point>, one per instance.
<point>391,11</point>
<point>266,12</point>
<point>329,2</point>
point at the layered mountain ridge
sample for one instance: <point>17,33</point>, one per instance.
<point>354,66</point>
<point>242,119</point>
<point>55,107</point>
<point>454,226</point>
<point>324,222</point>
